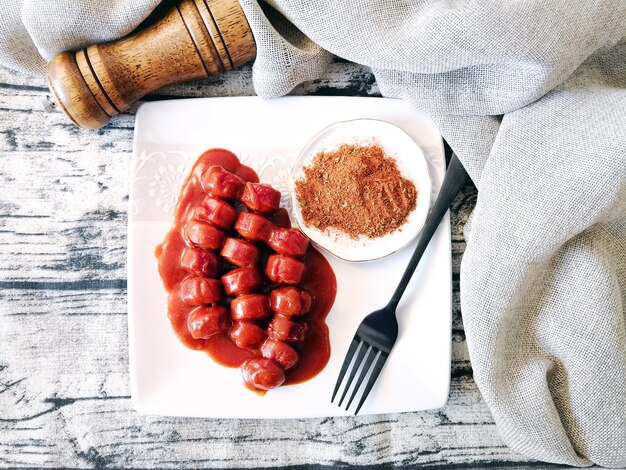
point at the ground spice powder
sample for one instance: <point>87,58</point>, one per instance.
<point>356,189</point>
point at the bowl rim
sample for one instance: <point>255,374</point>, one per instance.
<point>296,165</point>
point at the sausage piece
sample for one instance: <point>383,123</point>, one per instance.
<point>222,183</point>
<point>240,252</point>
<point>290,301</point>
<point>282,328</point>
<point>218,212</point>
<point>283,269</point>
<point>253,227</point>
<point>200,262</point>
<point>261,198</point>
<point>204,322</point>
<point>247,335</point>
<point>249,307</point>
<point>281,353</point>
<point>203,235</point>
<point>196,290</point>
<point>262,374</point>
<point>241,280</point>
<point>288,241</point>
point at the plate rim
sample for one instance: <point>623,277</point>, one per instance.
<point>141,406</point>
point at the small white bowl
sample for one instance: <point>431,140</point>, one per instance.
<point>410,159</point>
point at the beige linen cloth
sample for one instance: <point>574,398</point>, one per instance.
<point>532,96</point>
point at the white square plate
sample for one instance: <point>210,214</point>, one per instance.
<point>169,379</point>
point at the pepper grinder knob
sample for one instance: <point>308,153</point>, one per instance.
<point>181,41</point>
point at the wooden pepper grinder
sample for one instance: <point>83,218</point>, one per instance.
<point>183,40</point>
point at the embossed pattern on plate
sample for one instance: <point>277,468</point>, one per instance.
<point>158,175</point>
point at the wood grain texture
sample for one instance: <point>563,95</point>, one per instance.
<point>64,385</point>
<point>177,43</point>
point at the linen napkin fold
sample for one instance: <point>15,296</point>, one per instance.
<point>532,97</point>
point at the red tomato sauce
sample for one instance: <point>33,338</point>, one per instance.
<point>319,280</point>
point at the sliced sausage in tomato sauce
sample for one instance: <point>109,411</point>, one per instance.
<point>253,227</point>
<point>260,198</point>
<point>282,328</point>
<point>218,212</point>
<point>203,235</point>
<point>217,181</point>
<point>284,270</point>
<point>242,280</point>
<point>287,241</point>
<point>195,290</point>
<point>247,335</point>
<point>204,322</point>
<point>209,203</point>
<point>250,307</point>
<point>200,262</point>
<point>290,301</point>
<point>281,353</point>
<point>240,252</point>
<point>262,374</point>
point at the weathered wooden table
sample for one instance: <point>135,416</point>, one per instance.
<point>64,383</point>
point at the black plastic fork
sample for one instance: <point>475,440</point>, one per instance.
<point>378,331</point>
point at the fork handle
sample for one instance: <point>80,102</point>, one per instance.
<point>455,179</point>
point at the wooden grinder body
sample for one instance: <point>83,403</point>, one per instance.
<point>183,40</point>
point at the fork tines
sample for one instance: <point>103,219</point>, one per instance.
<point>368,359</point>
